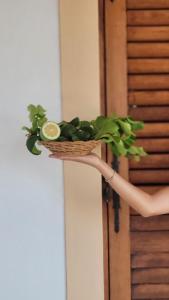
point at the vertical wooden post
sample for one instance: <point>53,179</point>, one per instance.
<point>103,147</point>
<point>79,43</point>
<point>116,87</point>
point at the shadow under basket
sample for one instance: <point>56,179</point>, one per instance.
<point>71,148</point>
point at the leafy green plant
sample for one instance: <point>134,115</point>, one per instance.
<point>118,132</point>
<point>37,117</point>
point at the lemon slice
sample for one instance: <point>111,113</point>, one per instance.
<point>50,131</point>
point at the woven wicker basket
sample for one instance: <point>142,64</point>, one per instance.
<point>71,148</point>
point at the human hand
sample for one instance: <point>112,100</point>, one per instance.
<point>91,159</point>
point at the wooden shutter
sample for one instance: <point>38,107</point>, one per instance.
<point>148,100</point>
<point>135,65</point>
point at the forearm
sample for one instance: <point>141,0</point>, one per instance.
<point>135,197</point>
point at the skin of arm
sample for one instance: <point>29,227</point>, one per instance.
<point>147,205</point>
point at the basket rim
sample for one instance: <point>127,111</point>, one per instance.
<point>70,142</point>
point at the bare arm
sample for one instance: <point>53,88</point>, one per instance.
<point>147,205</point>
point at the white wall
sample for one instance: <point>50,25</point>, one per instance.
<point>32,263</point>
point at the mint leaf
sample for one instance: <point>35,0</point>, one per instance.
<point>31,145</point>
<point>85,124</point>
<point>135,125</point>
<point>40,110</point>
<point>121,148</point>
<point>27,129</point>
<point>36,116</point>
<point>67,130</point>
<point>126,127</point>
<point>105,126</point>
<point>32,111</point>
<point>107,138</point>
<point>133,150</point>
<point>75,122</point>
<point>41,121</point>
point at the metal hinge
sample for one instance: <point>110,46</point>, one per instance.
<point>107,191</point>
<point>110,195</point>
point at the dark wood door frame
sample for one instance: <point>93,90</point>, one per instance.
<point>113,70</point>
<point>102,44</point>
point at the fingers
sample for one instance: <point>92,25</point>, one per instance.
<point>61,156</point>
<point>83,158</point>
<point>52,156</point>
<point>57,156</point>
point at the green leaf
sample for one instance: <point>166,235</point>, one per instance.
<point>83,135</point>
<point>62,123</point>
<point>90,130</point>
<point>27,129</point>
<point>121,148</point>
<point>41,121</point>
<point>62,139</point>
<point>32,111</point>
<point>133,150</point>
<point>40,110</point>
<point>106,126</point>
<point>67,130</point>
<point>99,122</point>
<point>75,137</point>
<point>85,124</point>
<point>31,145</point>
<point>75,122</point>
<point>117,138</point>
<point>114,149</point>
<point>36,116</point>
<point>107,138</point>
<point>129,140</point>
<point>126,127</point>
<point>34,125</point>
<point>135,125</point>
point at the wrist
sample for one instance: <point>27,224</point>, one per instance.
<point>104,169</point>
<point>97,163</point>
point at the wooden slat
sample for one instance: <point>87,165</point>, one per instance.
<point>148,4</point>
<point>148,17</point>
<point>159,275</point>
<point>150,113</point>
<point>148,82</point>
<point>148,33</point>
<point>150,260</point>
<point>148,66</point>
<point>154,161</point>
<point>155,241</point>
<point>154,130</point>
<point>149,176</point>
<point>138,223</point>
<point>151,189</point>
<point>150,291</point>
<point>154,145</point>
<point>148,50</point>
<point>148,98</point>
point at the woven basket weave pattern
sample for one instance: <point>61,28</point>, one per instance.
<point>71,148</point>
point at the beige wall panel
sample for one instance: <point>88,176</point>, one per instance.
<point>83,201</point>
